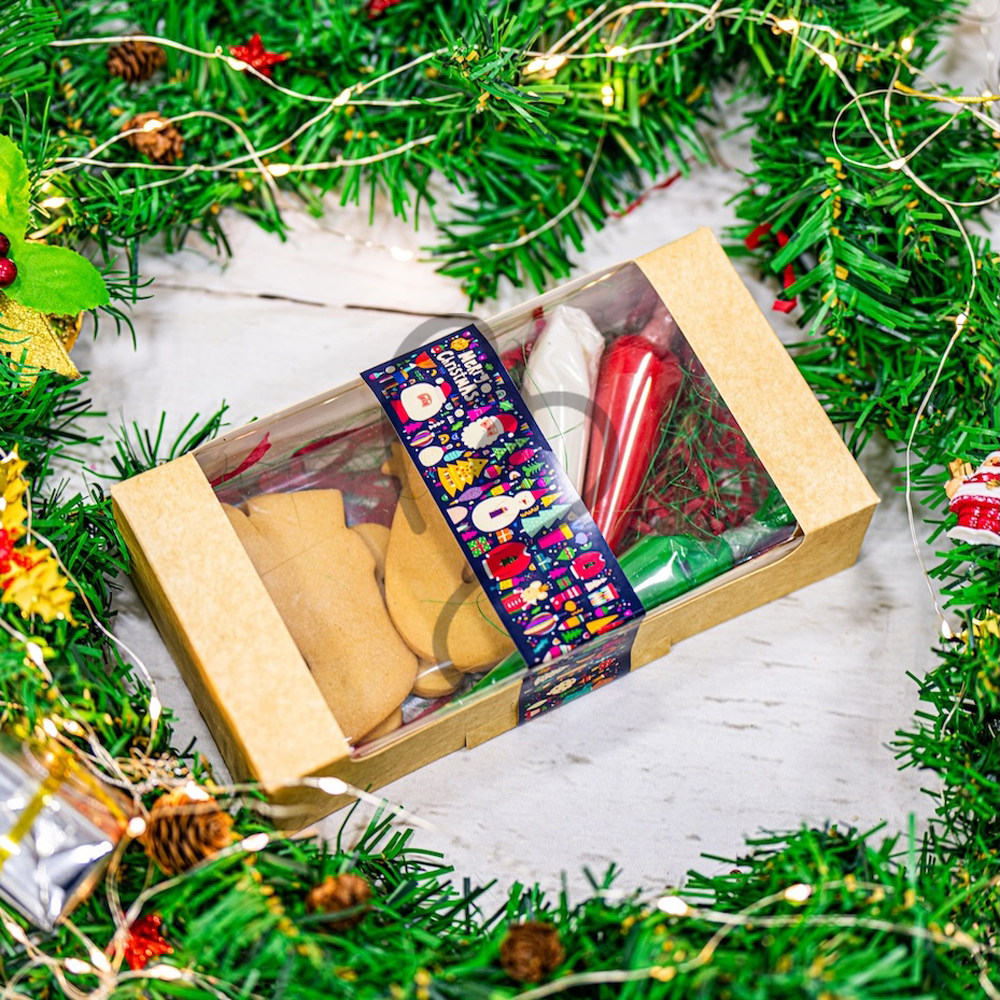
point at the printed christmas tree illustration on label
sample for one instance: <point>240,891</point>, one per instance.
<point>456,475</point>
<point>532,525</point>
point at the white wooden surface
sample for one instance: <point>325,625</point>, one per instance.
<point>778,718</point>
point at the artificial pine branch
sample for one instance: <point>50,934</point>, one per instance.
<point>881,276</point>
<point>518,146</point>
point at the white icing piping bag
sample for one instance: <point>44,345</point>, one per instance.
<point>559,382</point>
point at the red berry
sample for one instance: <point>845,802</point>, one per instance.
<point>8,272</point>
<point>4,245</point>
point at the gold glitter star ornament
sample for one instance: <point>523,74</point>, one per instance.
<point>40,280</point>
<point>34,340</point>
<point>30,577</point>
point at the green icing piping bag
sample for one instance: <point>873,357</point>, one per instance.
<point>662,567</point>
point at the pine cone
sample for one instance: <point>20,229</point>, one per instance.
<point>135,61</point>
<point>337,893</point>
<point>530,951</point>
<point>181,831</point>
<point>161,145</point>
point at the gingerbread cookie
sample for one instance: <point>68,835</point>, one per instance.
<point>433,597</point>
<point>387,725</point>
<point>376,537</point>
<point>435,680</point>
<point>321,577</point>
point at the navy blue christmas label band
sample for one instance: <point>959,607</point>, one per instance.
<point>526,533</point>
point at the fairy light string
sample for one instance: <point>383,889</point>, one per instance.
<point>551,60</point>
<point>34,651</point>
<point>107,967</point>
<point>110,976</point>
<point>798,894</point>
<point>154,705</point>
<point>902,162</point>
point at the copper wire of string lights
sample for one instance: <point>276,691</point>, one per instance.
<point>158,773</point>
<point>549,62</point>
<point>798,893</point>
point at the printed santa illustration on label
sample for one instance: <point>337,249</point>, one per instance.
<point>422,400</point>
<point>486,429</point>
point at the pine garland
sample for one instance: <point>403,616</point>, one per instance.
<point>888,290</point>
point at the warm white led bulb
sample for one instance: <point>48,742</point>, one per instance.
<point>331,786</point>
<point>798,893</point>
<point>673,906</point>
<point>255,842</point>
<point>136,827</point>
<point>99,960</point>
<point>15,930</point>
<point>195,792</point>
<point>165,973</point>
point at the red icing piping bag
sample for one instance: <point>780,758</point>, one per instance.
<point>636,383</point>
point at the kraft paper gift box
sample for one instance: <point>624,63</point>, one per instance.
<point>232,645</point>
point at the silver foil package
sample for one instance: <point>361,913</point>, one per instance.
<point>58,829</point>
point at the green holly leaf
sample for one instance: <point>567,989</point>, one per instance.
<point>49,279</point>
<point>55,280</point>
<point>14,190</point>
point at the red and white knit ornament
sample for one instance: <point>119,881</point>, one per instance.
<point>977,505</point>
